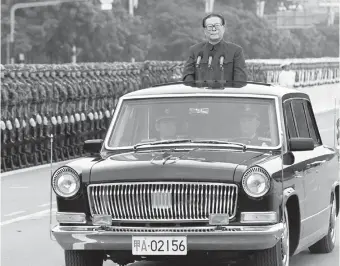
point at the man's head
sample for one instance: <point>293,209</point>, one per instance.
<point>214,27</point>
<point>249,122</point>
<point>166,125</point>
<point>286,65</point>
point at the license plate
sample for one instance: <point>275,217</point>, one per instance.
<point>159,245</point>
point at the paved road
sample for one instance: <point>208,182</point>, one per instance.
<point>25,217</point>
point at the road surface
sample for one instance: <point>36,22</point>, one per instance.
<point>25,239</point>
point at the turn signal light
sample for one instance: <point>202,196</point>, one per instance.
<point>258,217</point>
<point>71,217</point>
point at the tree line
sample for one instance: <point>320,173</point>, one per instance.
<point>159,30</point>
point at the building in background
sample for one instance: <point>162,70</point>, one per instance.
<point>292,14</point>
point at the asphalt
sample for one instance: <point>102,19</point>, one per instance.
<point>25,197</point>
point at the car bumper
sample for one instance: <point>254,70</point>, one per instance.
<point>233,238</point>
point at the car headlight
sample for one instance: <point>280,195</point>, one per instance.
<point>256,182</point>
<point>65,182</point>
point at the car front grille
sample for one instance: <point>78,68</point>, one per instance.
<point>161,202</point>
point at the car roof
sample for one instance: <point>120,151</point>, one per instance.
<point>178,89</point>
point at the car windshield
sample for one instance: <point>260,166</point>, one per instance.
<point>250,121</point>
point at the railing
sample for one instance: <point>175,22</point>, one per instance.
<point>76,102</point>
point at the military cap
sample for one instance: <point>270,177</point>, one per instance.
<point>249,112</point>
<point>167,114</point>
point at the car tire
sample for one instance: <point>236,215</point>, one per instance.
<point>83,258</point>
<point>327,243</point>
<point>279,254</point>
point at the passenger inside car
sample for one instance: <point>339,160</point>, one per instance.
<point>251,129</point>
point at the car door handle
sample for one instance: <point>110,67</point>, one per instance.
<point>317,163</point>
<point>298,174</point>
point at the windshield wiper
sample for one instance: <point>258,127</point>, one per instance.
<point>244,146</point>
<point>160,142</point>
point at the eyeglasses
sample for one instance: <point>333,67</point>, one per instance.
<point>216,26</point>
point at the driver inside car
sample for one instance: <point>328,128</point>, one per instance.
<point>166,126</point>
<point>249,124</point>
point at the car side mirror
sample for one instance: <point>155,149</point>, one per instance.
<point>301,144</point>
<point>93,145</point>
<point>288,158</point>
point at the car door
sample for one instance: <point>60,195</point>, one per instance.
<point>325,166</point>
<point>299,169</point>
<point>312,164</point>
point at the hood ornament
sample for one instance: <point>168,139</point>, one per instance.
<point>164,158</point>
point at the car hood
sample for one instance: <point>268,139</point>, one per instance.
<point>203,165</point>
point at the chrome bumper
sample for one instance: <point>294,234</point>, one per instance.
<point>198,238</point>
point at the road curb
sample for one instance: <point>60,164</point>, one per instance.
<point>34,168</point>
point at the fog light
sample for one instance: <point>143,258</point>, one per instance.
<point>218,219</point>
<point>258,217</point>
<point>71,217</point>
<point>102,220</point>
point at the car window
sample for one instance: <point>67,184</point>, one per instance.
<point>123,129</point>
<point>300,118</point>
<point>131,126</point>
<point>291,128</point>
<point>312,126</point>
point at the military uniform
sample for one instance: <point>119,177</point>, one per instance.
<point>234,62</point>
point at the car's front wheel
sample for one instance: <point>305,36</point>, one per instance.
<point>83,258</point>
<point>277,255</point>
<point>327,243</point>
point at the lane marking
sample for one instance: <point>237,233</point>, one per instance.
<point>27,217</point>
<point>18,187</point>
<point>47,204</point>
<point>14,213</point>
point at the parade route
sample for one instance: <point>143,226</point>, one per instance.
<point>25,206</point>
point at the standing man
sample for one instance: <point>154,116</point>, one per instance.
<point>215,59</point>
<point>287,75</point>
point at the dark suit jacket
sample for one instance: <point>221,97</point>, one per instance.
<point>234,62</point>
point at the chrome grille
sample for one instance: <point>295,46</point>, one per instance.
<point>166,201</point>
<point>207,229</point>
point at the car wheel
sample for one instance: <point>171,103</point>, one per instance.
<point>327,243</point>
<point>83,258</point>
<point>277,255</point>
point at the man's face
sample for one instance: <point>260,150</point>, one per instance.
<point>287,68</point>
<point>167,128</point>
<point>214,30</point>
<point>249,125</point>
